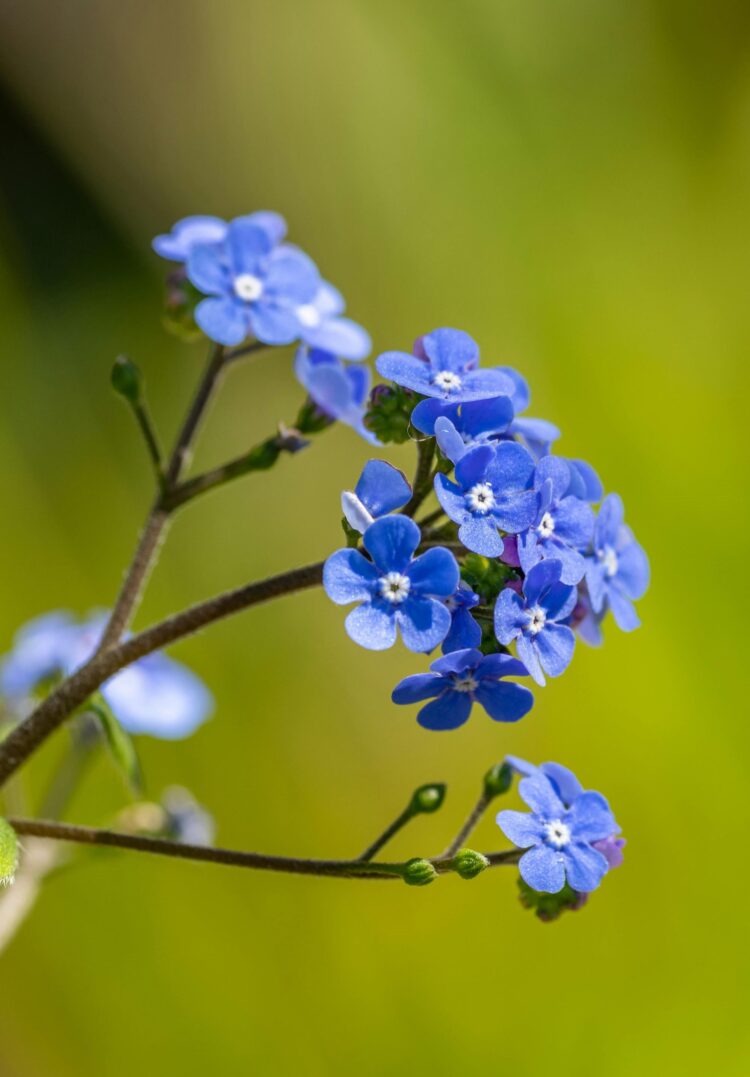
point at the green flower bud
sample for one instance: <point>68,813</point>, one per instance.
<point>548,907</point>
<point>468,864</point>
<point>8,853</point>
<point>389,413</point>
<point>126,379</point>
<point>428,798</point>
<point>419,872</point>
<point>180,300</point>
<point>498,780</point>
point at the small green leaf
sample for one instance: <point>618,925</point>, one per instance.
<point>120,745</point>
<point>8,853</point>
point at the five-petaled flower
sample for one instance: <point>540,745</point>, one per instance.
<point>444,366</point>
<point>618,571</point>
<point>560,837</point>
<point>394,588</point>
<point>563,525</point>
<point>254,286</point>
<point>176,245</point>
<point>543,644</point>
<point>380,490</point>
<point>491,492</point>
<point>339,391</point>
<point>460,679</point>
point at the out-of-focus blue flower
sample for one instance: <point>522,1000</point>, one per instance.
<point>322,325</point>
<point>254,286</point>
<point>460,679</point>
<point>459,426</point>
<point>338,390</point>
<point>394,588</point>
<point>381,489</point>
<point>563,524</point>
<point>155,695</point>
<point>464,631</point>
<point>491,491</point>
<point>536,434</point>
<point>584,622</point>
<point>187,820</point>
<point>585,484</point>
<point>192,231</point>
<point>560,838</point>
<point>543,643</point>
<point>444,367</point>
<point>618,572</point>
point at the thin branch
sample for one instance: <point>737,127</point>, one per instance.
<point>245,350</point>
<point>390,831</point>
<point>342,869</point>
<point>431,517</point>
<point>468,827</point>
<point>201,400</point>
<point>422,484</point>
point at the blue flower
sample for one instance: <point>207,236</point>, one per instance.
<point>534,621</point>
<point>563,781</point>
<point>381,489</point>
<point>253,286</point>
<point>192,231</point>
<point>459,426</point>
<point>464,630</point>
<point>321,325</point>
<point>338,390</point>
<point>155,695</point>
<point>394,588</point>
<point>563,524</point>
<point>560,838</point>
<point>187,820</point>
<point>445,368</point>
<point>491,491</point>
<point>537,434</point>
<point>584,481</point>
<point>618,572</point>
<point>460,679</point>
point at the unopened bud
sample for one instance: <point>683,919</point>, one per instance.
<point>8,853</point>
<point>126,379</point>
<point>498,780</point>
<point>418,872</point>
<point>428,798</point>
<point>468,864</point>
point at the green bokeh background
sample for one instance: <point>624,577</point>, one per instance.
<point>568,182</point>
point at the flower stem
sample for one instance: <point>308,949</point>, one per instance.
<point>422,484</point>
<point>469,826</point>
<point>390,831</point>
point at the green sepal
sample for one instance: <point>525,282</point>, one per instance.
<point>8,853</point>
<point>352,535</point>
<point>388,414</point>
<point>310,419</point>
<point>548,907</point>
<point>120,745</point>
<point>126,379</point>
<point>418,872</point>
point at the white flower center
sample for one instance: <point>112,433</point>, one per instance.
<point>480,498</point>
<point>608,558</point>
<point>546,526</point>
<point>465,682</point>
<point>537,619</point>
<point>394,587</point>
<point>308,315</point>
<point>247,287</point>
<point>557,833</point>
<point>447,380</point>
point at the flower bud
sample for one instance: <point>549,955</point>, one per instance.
<point>498,780</point>
<point>468,864</point>
<point>8,853</point>
<point>126,379</point>
<point>418,872</point>
<point>428,798</point>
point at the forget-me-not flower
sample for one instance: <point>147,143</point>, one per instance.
<point>560,838</point>
<point>460,679</point>
<point>491,491</point>
<point>380,489</point>
<point>533,620</point>
<point>563,525</point>
<point>458,426</point>
<point>444,367</point>
<point>192,231</point>
<point>338,390</point>
<point>322,325</point>
<point>618,571</point>
<point>394,589</point>
<point>253,286</point>
<point>464,631</point>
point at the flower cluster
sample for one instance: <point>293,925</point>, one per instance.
<point>526,560</point>
<point>155,695</point>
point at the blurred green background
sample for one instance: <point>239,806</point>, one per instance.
<point>569,183</point>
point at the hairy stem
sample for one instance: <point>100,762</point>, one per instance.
<point>342,869</point>
<point>422,484</point>
<point>468,827</point>
<point>390,831</point>
<point>73,692</point>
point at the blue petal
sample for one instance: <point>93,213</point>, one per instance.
<point>585,867</point>
<point>516,511</point>
<point>510,617</point>
<point>543,869</point>
<point>329,301</point>
<point>457,662</point>
<point>559,601</point>
<point>326,382</point>
<point>391,542</point>
<point>574,522</point>
<point>341,336</point>
<point>473,465</point>
<point>434,572</point>
<point>427,412</point>
<point>585,483</point>
<point>633,570</point>
<point>479,534</point>
<point>537,434</point>
<point>451,444</point>
<point>512,467</point>
<point>424,623</point>
<point>555,645</point>
<point>521,766</point>
<point>451,498</point>
<point>538,792</point>
<point>448,711</point>
<point>486,416</point>
<point>557,471</point>
<point>293,277</point>
<point>405,370</point>
<point>564,781</point>
<point>623,610</point>
<point>451,349</point>
<point>223,320</point>
<point>464,632</point>
<point>207,269</point>
<point>372,626</point>
<point>41,649</point>
<point>520,397</point>
<point>523,829</point>
<point>500,665</point>
<point>590,818</point>
<point>482,384</point>
<point>247,244</point>
<point>526,649</point>
<point>349,577</point>
<point>158,696</point>
<point>597,583</point>
<point>273,224</point>
<point>418,687</point>
<point>540,579</point>
<point>608,522</point>
<point>504,702</point>
<point>188,233</point>
<point>382,488</point>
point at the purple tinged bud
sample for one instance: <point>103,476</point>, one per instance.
<point>611,849</point>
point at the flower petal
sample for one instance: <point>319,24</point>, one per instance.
<point>341,337</point>
<point>464,632</point>
<point>526,649</point>
<point>418,687</point>
<point>510,616</point>
<point>539,793</point>
<point>520,827</point>
<point>504,702</point>
<point>188,233</point>
<point>555,645</point>
<point>448,711</point>
<point>391,542</point>
<point>608,522</point>
<point>450,442</point>
<point>480,534</point>
<point>540,579</point>
<point>457,661</point>
<point>247,244</point>
<point>451,498</point>
<point>405,370</point>
<point>451,349</point>
<point>564,781</point>
<point>590,817</point>
<point>543,869</point>
<point>623,610</point>
<point>424,623</point>
<point>223,320</point>
<point>207,268</point>
<point>292,276</point>
<point>372,626</point>
<point>349,577</point>
<point>585,867</point>
<point>382,488</point>
<point>472,467</point>
<point>434,572</point>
